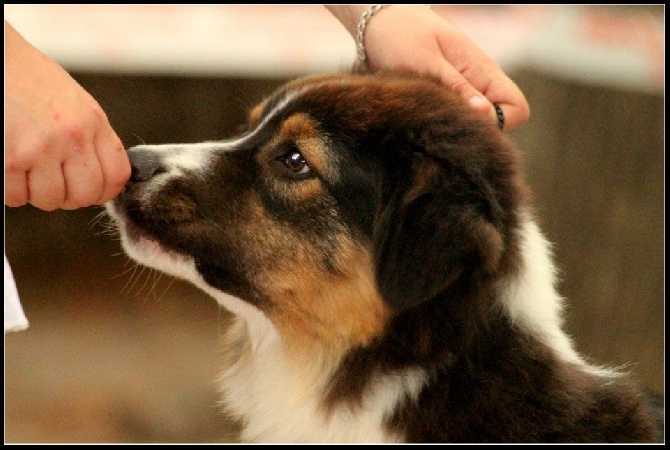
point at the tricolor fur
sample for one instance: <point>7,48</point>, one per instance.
<point>375,241</point>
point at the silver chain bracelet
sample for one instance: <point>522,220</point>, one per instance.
<point>362,24</point>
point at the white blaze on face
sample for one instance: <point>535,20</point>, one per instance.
<point>192,159</point>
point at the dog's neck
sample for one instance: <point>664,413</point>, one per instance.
<point>528,298</point>
<point>281,392</point>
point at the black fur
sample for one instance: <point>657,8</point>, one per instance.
<point>434,192</point>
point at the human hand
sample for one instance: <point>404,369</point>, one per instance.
<point>60,150</point>
<point>415,38</point>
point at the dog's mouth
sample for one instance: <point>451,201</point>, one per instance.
<point>139,242</point>
<point>136,234</point>
<point>142,244</point>
<point>142,218</point>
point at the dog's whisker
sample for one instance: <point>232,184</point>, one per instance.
<point>146,279</point>
<point>134,276</point>
<point>99,217</point>
<point>124,272</point>
<point>139,139</point>
<point>156,275</point>
<point>165,291</point>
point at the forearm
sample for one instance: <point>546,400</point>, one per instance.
<point>14,42</point>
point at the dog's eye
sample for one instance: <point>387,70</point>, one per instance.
<point>295,162</point>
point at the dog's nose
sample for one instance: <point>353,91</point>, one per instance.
<point>144,164</point>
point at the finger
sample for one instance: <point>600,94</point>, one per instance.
<point>453,79</point>
<point>475,99</point>
<point>83,180</point>
<point>483,76</point>
<point>511,100</point>
<point>114,163</point>
<point>516,114</point>
<point>16,189</point>
<point>46,186</point>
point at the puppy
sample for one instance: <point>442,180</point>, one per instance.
<point>374,239</point>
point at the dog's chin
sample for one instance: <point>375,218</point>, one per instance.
<point>147,250</point>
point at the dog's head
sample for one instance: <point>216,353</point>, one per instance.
<point>350,200</point>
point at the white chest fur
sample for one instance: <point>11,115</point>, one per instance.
<point>281,398</point>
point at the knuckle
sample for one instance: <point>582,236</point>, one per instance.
<point>75,131</point>
<point>40,145</point>
<point>98,115</point>
<point>28,152</point>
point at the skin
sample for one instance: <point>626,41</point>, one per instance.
<point>426,43</point>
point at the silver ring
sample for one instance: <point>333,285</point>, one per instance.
<point>499,115</point>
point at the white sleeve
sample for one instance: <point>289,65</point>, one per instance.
<point>15,319</point>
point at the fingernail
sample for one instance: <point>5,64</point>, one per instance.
<point>478,102</point>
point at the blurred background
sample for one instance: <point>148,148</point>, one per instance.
<point>115,353</point>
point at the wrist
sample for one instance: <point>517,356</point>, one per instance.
<point>365,19</point>
<point>348,15</point>
<point>356,19</point>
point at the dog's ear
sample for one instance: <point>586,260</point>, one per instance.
<point>440,227</point>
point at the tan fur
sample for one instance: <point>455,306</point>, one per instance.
<point>313,307</point>
<point>309,304</point>
<point>302,130</point>
<point>424,174</point>
<point>255,113</point>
